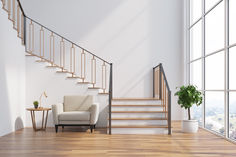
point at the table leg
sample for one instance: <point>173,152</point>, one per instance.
<point>42,121</point>
<point>34,121</point>
<point>46,120</point>
<point>32,118</point>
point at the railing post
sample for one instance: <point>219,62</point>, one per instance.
<point>110,97</point>
<point>169,112</point>
<point>154,85</point>
<point>160,80</point>
<point>25,31</point>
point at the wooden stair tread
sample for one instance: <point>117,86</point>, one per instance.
<point>73,77</point>
<point>83,83</point>
<point>28,55</point>
<point>139,126</point>
<point>137,105</point>
<point>139,119</point>
<point>41,61</point>
<point>62,71</point>
<point>133,99</point>
<point>94,88</point>
<point>51,66</point>
<point>139,112</point>
<point>104,93</point>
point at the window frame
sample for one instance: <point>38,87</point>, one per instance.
<point>225,50</point>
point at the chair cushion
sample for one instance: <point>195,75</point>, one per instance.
<point>77,103</point>
<point>75,115</point>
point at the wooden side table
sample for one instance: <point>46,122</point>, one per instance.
<point>44,123</point>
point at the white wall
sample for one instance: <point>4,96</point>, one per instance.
<point>134,35</point>
<point>12,78</point>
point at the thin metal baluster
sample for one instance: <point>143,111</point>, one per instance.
<point>52,48</point>
<point>32,33</point>
<point>22,31</point>
<point>30,37</point>
<point>41,48</point>
<point>72,60</point>
<point>61,52</point>
<point>4,4</point>
<point>104,77</point>
<point>9,9</point>
<point>92,70</point>
<point>165,97</point>
<point>18,20</point>
<point>14,13</point>
<point>83,63</point>
<point>64,55</point>
<point>162,99</point>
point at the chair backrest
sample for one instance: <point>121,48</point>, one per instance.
<point>77,103</point>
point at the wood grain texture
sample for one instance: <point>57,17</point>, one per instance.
<point>75,142</point>
<point>134,99</point>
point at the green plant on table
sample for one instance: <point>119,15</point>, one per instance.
<point>36,104</point>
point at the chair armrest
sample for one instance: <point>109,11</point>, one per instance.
<point>94,112</point>
<point>56,110</point>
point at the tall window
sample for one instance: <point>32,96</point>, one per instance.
<point>212,63</point>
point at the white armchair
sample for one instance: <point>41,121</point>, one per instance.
<point>76,111</point>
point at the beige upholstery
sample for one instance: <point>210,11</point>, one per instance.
<point>74,115</point>
<point>77,103</point>
<point>76,110</point>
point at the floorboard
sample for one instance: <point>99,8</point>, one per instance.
<point>77,142</point>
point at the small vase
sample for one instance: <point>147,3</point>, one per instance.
<point>36,106</point>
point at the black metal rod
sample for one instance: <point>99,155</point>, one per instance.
<point>160,82</point>
<point>154,85</point>
<point>110,97</point>
<point>25,31</point>
<point>156,66</point>
<point>169,112</point>
<point>21,8</point>
<point>67,40</point>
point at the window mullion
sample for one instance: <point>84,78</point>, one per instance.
<point>203,63</point>
<point>226,69</point>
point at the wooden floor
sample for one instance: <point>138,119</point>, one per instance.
<point>71,143</point>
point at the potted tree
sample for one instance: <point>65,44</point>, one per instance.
<point>187,97</point>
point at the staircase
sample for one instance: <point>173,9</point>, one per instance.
<point>138,116</point>
<point>125,115</point>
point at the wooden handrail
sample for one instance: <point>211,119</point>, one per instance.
<point>164,92</point>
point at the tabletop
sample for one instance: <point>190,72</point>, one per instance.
<point>38,109</point>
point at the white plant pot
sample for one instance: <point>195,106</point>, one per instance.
<point>189,126</point>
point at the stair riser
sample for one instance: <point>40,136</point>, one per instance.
<point>137,108</point>
<point>138,122</point>
<point>139,131</point>
<point>137,115</point>
<point>146,102</point>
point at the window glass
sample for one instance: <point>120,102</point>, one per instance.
<point>232,115</point>
<point>195,10</point>
<point>196,41</point>
<point>232,22</point>
<point>214,71</point>
<point>214,22</point>
<point>214,104</point>
<point>196,74</point>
